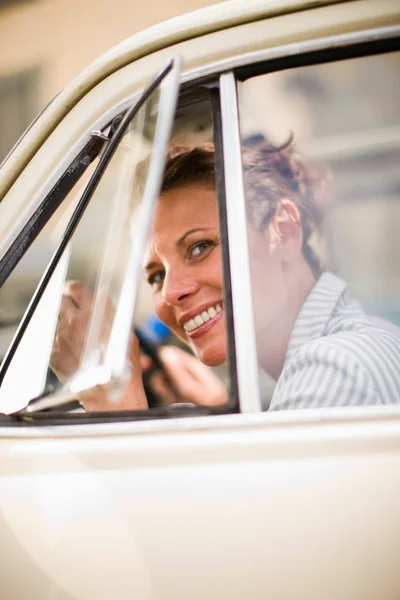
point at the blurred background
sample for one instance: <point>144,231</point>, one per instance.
<point>46,43</point>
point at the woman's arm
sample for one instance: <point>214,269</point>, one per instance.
<point>322,374</point>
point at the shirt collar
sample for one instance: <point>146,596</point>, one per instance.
<point>316,311</point>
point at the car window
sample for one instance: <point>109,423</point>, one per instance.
<point>100,246</point>
<point>320,154</point>
<point>183,298</point>
<point>142,290</point>
<point>24,264</point>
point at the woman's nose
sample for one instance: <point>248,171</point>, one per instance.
<point>178,285</point>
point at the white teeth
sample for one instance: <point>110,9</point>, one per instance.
<point>212,312</point>
<point>198,320</point>
<point>202,318</point>
<point>190,325</point>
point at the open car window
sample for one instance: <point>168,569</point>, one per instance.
<point>99,245</point>
<point>320,153</point>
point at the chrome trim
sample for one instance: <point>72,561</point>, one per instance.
<point>294,49</point>
<point>96,133</point>
<point>245,343</point>
<point>302,420</point>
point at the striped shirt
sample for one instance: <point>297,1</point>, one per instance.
<point>337,356</point>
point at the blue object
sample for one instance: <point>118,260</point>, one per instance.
<point>154,330</point>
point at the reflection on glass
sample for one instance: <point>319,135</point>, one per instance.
<point>93,297</point>
<point>28,372</point>
<point>85,291</point>
<point>180,303</point>
<point>177,346</point>
<point>323,228</point>
<point>182,273</point>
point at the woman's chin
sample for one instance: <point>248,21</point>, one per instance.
<point>212,355</point>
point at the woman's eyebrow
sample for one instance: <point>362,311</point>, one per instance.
<point>150,265</point>
<point>184,236</point>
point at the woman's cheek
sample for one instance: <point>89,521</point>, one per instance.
<point>166,315</point>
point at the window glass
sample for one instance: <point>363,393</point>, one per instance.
<point>134,314</point>
<point>176,339</point>
<point>321,150</point>
<point>174,347</point>
<point>17,291</point>
<point>72,328</point>
<point>181,311</point>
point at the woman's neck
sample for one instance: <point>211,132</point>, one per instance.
<point>274,340</point>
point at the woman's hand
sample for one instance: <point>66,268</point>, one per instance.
<point>193,381</point>
<point>73,320</point>
<point>71,333</point>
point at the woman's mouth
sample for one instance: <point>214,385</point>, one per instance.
<point>203,321</point>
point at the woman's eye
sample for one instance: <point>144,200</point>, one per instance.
<point>198,249</point>
<point>156,278</point>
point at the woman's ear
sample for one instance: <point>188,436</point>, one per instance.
<point>287,221</point>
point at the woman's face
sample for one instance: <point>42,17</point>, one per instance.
<point>183,265</point>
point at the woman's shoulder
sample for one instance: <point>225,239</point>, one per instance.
<point>353,365</point>
<point>337,354</point>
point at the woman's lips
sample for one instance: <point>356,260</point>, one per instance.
<point>205,328</point>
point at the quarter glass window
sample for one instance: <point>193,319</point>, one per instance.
<point>72,333</point>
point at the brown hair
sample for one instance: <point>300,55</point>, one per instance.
<point>270,174</point>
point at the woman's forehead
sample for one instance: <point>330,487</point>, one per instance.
<point>185,207</point>
<point>180,211</point>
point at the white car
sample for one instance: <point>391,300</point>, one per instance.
<point>188,500</point>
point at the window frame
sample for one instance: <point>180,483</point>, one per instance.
<point>335,47</point>
<point>28,233</point>
<point>242,301</point>
<point>191,96</point>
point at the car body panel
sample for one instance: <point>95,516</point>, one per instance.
<point>240,506</point>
